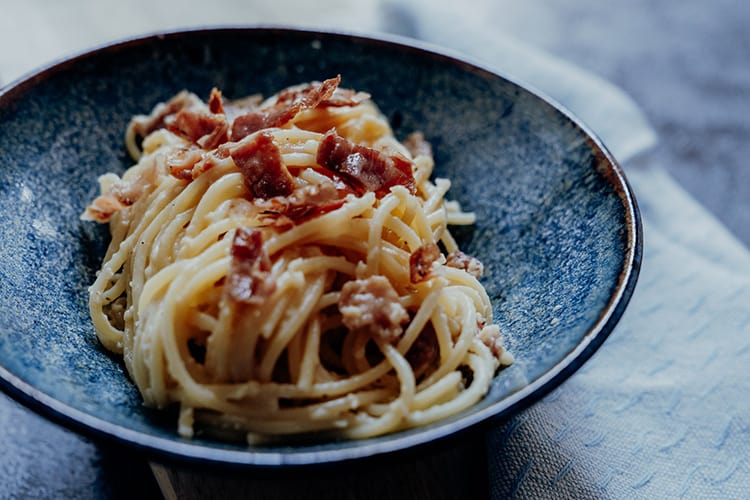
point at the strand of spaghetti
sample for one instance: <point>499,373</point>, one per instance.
<point>290,391</point>
<point>261,427</point>
<point>387,204</point>
<point>162,250</point>
<point>124,248</point>
<point>423,165</point>
<point>295,319</point>
<point>202,321</point>
<point>146,366</point>
<point>435,196</point>
<point>310,359</point>
<point>330,223</point>
<point>354,352</point>
<point>443,390</point>
<point>461,219</point>
<point>421,318</point>
<point>216,254</point>
<point>478,363</point>
<point>218,346</point>
<point>461,347</point>
<point>154,221</point>
<point>438,223</point>
<point>478,300</point>
<point>130,142</point>
<point>367,426</point>
<point>294,354</point>
<point>117,287</point>
<point>226,187</point>
<point>405,375</point>
<point>331,409</point>
<point>403,232</point>
<point>414,205</point>
<point>329,263</point>
<point>192,247</point>
<point>174,363</point>
<point>328,299</point>
<point>458,276</point>
<point>442,333</point>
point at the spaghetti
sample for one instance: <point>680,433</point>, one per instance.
<point>275,268</point>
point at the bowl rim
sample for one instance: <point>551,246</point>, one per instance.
<point>184,452</point>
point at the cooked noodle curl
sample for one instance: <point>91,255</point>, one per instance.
<point>332,307</point>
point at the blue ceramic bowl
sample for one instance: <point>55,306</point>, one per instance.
<point>558,228</point>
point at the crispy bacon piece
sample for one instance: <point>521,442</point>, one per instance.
<point>182,162</point>
<point>238,107</point>
<point>491,337</point>
<point>373,305</point>
<point>210,159</point>
<point>215,103</point>
<point>365,168</point>
<point>205,129</point>
<point>103,208</point>
<point>190,162</point>
<point>122,193</point>
<point>303,204</point>
<point>344,97</point>
<point>249,276</point>
<point>470,264</point>
<point>308,95</point>
<point>146,124</point>
<point>260,162</point>
<point>288,104</point>
<point>421,262</point>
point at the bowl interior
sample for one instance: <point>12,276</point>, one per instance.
<point>557,228</point>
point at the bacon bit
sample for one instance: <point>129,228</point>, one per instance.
<point>467,263</point>
<point>246,124</point>
<point>421,262</point>
<point>220,135</point>
<point>423,353</point>
<point>303,204</point>
<point>344,97</point>
<point>372,305</point>
<point>121,194</point>
<point>262,167</point>
<point>237,107</point>
<point>215,104</point>
<point>103,208</point>
<point>190,162</point>
<point>365,168</point>
<point>491,337</point>
<point>249,276</point>
<point>288,104</point>
<point>309,95</point>
<point>182,162</point>
<point>205,129</point>
<point>144,125</point>
<point>417,145</point>
<point>210,160</point>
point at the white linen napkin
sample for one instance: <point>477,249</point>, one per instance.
<point>661,410</point>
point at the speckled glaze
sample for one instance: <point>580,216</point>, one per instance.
<point>558,228</point>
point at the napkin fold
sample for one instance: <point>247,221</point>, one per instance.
<point>661,410</point>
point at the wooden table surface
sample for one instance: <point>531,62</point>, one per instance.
<point>685,62</point>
